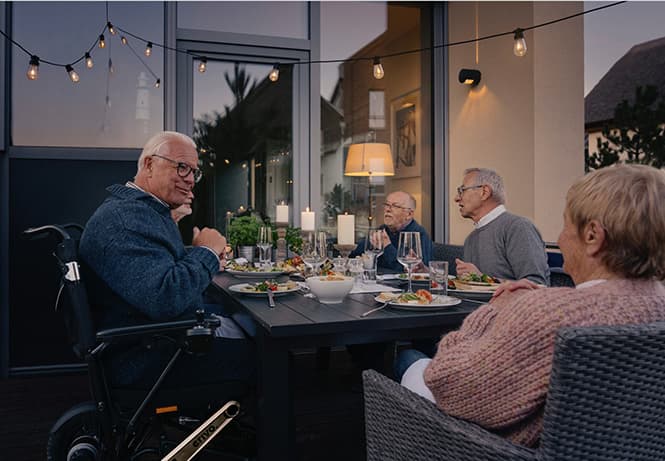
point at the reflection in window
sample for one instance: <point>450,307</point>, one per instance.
<point>104,109</point>
<point>377,109</point>
<point>243,127</point>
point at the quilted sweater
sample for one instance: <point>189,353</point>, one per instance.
<point>494,371</point>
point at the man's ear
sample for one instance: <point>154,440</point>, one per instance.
<point>594,237</point>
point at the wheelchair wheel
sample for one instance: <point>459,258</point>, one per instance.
<point>75,436</point>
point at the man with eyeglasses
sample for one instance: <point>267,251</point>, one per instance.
<point>502,244</point>
<point>140,270</point>
<point>398,212</point>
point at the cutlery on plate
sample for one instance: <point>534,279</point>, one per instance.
<point>271,298</point>
<point>365,314</point>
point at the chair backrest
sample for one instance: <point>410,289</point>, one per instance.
<point>447,252</point>
<point>606,398</point>
<point>558,278</point>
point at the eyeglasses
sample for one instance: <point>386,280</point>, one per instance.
<point>183,169</point>
<point>462,189</point>
<point>390,206</point>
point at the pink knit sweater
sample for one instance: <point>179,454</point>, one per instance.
<point>495,370</point>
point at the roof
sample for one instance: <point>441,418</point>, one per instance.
<point>644,64</point>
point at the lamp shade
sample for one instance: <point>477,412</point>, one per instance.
<point>369,159</point>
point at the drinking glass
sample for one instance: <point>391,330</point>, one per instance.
<point>438,277</point>
<point>373,249</point>
<point>314,249</point>
<point>409,252</point>
<point>355,266</point>
<point>264,242</point>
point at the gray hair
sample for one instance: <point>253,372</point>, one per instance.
<point>492,179</point>
<point>155,144</point>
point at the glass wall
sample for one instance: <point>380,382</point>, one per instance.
<point>358,108</point>
<point>115,103</point>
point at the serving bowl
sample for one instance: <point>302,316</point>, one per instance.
<point>330,289</point>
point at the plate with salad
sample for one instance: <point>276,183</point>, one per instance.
<point>261,288</point>
<point>421,300</point>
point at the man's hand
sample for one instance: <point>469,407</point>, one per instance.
<point>210,238</point>
<point>510,286</point>
<point>386,239</point>
<point>464,268</point>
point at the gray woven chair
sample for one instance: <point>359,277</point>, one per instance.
<point>606,402</point>
<point>447,252</point>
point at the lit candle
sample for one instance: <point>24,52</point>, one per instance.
<point>346,229</point>
<point>307,220</point>
<point>282,214</point>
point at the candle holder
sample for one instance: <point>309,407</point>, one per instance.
<point>345,250</point>
<point>282,247</point>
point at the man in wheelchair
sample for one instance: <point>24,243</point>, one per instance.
<point>139,272</point>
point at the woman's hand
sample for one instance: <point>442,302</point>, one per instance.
<point>464,268</point>
<point>510,286</point>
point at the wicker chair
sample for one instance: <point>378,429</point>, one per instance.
<point>605,402</point>
<point>447,252</point>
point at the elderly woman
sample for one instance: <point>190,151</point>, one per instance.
<point>494,371</point>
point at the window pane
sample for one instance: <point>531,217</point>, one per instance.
<point>243,126</point>
<point>278,19</point>
<point>357,108</point>
<point>119,109</point>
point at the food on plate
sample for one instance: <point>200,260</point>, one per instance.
<point>269,285</point>
<point>234,266</point>
<point>386,296</point>
<point>414,276</point>
<point>332,277</point>
<point>419,297</point>
<point>292,265</point>
<point>473,278</point>
<point>468,282</point>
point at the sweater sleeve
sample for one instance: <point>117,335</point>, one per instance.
<point>525,252</point>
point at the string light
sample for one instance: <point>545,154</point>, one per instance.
<point>33,68</point>
<point>102,41</point>
<point>157,83</point>
<point>274,73</point>
<point>73,76</point>
<point>111,69</point>
<point>148,49</point>
<point>110,27</point>
<point>88,60</point>
<point>377,69</point>
<point>519,48</point>
<point>203,65</point>
<point>123,40</point>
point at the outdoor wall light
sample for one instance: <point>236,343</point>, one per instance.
<point>469,77</point>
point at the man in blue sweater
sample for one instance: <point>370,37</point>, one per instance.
<point>502,244</point>
<point>142,272</point>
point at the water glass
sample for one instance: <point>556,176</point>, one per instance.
<point>438,277</point>
<point>355,266</point>
<point>373,249</point>
<point>369,265</point>
<point>264,242</point>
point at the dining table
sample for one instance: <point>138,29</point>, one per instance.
<point>297,322</point>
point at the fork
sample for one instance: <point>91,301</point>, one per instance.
<point>365,314</point>
<point>271,298</point>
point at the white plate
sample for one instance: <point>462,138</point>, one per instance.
<point>255,275</point>
<point>472,294</point>
<point>438,303</point>
<point>415,277</point>
<point>242,288</point>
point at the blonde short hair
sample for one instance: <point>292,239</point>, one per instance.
<point>155,144</point>
<point>629,202</point>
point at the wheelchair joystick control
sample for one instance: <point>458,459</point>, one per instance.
<point>200,316</point>
<point>199,337</point>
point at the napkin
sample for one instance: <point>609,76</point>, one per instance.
<point>371,288</point>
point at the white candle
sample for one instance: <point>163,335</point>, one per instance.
<point>307,220</point>
<point>282,214</point>
<point>346,229</point>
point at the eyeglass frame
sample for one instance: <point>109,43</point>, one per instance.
<point>462,189</point>
<point>390,206</point>
<point>196,172</point>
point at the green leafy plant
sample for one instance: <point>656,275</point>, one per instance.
<point>293,238</point>
<point>244,231</point>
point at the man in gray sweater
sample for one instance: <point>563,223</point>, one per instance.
<point>502,244</point>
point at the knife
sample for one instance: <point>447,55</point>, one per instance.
<point>271,298</point>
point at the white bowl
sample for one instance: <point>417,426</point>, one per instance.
<point>330,290</point>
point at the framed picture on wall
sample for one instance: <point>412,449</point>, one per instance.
<point>405,134</point>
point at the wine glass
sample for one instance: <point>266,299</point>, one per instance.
<point>264,242</point>
<point>409,252</point>
<point>314,249</point>
<point>373,249</point>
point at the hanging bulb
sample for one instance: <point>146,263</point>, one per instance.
<point>203,65</point>
<point>148,49</point>
<point>102,41</point>
<point>377,69</point>
<point>33,68</point>
<point>123,40</point>
<point>88,61</point>
<point>111,69</point>
<point>519,48</point>
<point>110,27</point>
<point>73,76</point>
<point>157,83</point>
<point>274,73</point>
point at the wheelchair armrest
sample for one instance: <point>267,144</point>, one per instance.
<point>148,329</point>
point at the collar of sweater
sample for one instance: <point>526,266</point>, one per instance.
<point>129,193</point>
<point>410,226</point>
<point>489,217</point>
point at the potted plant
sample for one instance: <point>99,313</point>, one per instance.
<point>243,233</point>
<point>293,238</point>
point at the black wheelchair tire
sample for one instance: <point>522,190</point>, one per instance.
<point>75,436</point>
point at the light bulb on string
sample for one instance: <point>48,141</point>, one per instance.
<point>73,76</point>
<point>203,65</point>
<point>157,83</point>
<point>377,69</point>
<point>88,61</point>
<point>274,73</point>
<point>33,68</point>
<point>123,40</point>
<point>102,41</point>
<point>519,47</point>
<point>148,49</point>
<point>110,27</point>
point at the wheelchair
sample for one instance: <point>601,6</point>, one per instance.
<point>139,424</point>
